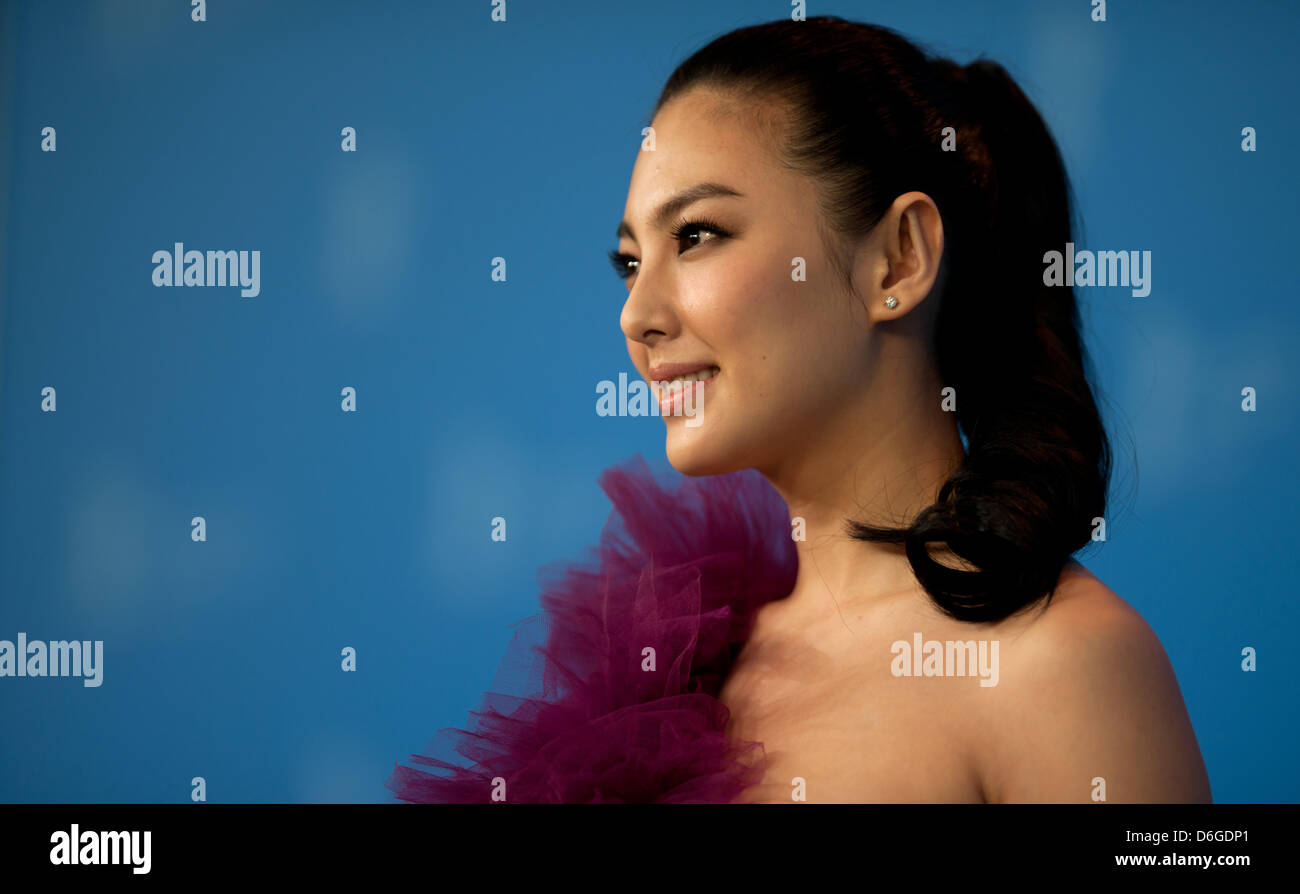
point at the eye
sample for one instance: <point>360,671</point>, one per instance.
<point>624,264</point>
<point>692,230</point>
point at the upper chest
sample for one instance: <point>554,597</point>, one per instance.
<point>839,725</point>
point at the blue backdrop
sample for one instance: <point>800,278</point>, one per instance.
<point>474,398</point>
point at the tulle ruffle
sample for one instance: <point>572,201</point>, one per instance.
<point>617,678</point>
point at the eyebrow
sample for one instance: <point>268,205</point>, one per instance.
<point>686,197</point>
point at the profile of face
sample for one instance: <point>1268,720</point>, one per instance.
<point>737,283</point>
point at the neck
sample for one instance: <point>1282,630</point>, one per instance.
<point>881,462</point>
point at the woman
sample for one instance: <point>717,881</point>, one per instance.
<point>835,244</point>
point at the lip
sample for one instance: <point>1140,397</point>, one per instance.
<point>666,371</point>
<point>662,372</point>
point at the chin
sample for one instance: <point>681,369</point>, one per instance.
<point>698,451</point>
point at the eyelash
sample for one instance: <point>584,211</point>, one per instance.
<point>620,260</point>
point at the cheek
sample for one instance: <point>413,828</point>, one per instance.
<point>741,304</point>
<point>795,342</point>
<point>755,319</point>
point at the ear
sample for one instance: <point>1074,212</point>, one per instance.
<point>906,261</point>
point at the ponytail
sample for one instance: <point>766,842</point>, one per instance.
<point>1037,463</point>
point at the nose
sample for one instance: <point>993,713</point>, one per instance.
<point>649,313</point>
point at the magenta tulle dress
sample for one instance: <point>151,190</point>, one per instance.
<point>595,715</point>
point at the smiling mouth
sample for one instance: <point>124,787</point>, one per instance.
<point>673,394</point>
<point>671,388</point>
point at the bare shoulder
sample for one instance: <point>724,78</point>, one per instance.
<point>1086,619</point>
<point>1087,706</point>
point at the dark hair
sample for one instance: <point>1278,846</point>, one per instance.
<point>863,111</point>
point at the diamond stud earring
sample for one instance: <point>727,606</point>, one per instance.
<point>891,302</point>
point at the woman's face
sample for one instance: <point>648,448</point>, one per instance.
<point>718,283</point>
